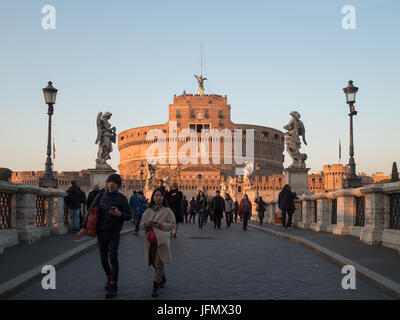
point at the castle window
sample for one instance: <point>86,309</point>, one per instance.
<point>220,123</point>
<point>178,113</point>
<point>265,134</point>
<point>220,115</point>
<point>192,126</point>
<point>206,114</point>
<point>276,137</point>
<point>192,113</point>
<point>122,138</point>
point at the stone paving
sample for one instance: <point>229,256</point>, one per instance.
<point>211,264</point>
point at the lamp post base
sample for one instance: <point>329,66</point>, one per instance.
<point>48,182</point>
<point>352,182</point>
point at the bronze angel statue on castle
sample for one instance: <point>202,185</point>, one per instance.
<point>106,136</point>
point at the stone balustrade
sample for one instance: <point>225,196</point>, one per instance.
<point>28,213</point>
<point>370,213</point>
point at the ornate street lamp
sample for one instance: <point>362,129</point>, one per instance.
<point>351,181</point>
<point>257,169</point>
<point>48,180</point>
<point>141,174</point>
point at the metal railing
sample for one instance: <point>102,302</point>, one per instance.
<point>5,210</point>
<point>394,219</point>
<point>360,212</point>
<point>334,211</point>
<point>66,214</point>
<point>41,219</point>
<point>315,211</point>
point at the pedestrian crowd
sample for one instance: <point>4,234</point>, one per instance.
<point>159,218</point>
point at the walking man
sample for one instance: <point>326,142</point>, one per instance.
<point>141,207</point>
<point>245,209</point>
<point>91,196</point>
<point>184,209</point>
<point>174,201</point>
<point>286,204</point>
<point>260,209</point>
<point>73,201</point>
<point>229,207</point>
<point>193,209</point>
<point>217,209</point>
<point>114,210</point>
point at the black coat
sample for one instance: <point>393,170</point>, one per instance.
<point>106,221</point>
<point>184,206</point>
<point>286,200</point>
<point>75,197</point>
<point>174,201</point>
<point>218,205</point>
<point>90,198</point>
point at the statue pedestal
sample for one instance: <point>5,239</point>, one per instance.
<point>297,178</point>
<point>99,176</point>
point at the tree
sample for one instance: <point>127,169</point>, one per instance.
<point>5,174</point>
<point>395,173</point>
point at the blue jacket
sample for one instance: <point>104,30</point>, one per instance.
<point>141,206</point>
<point>133,200</point>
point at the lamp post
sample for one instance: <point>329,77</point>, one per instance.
<point>141,174</point>
<point>351,181</point>
<point>48,180</point>
<point>257,169</point>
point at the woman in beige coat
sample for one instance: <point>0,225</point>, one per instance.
<point>161,219</point>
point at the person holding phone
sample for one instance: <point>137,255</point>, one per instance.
<point>114,210</point>
<point>161,220</point>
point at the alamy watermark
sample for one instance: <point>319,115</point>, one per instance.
<point>49,281</point>
<point>349,281</point>
<point>349,20</point>
<point>49,20</point>
<point>196,148</point>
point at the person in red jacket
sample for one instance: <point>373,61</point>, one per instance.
<point>245,210</point>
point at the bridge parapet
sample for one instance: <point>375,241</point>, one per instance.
<point>370,213</point>
<point>28,213</point>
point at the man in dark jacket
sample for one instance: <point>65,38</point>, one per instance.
<point>91,196</point>
<point>73,201</point>
<point>217,208</point>
<point>174,201</point>
<point>114,210</point>
<point>193,209</point>
<point>184,209</point>
<point>286,204</point>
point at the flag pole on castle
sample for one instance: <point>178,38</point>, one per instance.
<point>340,151</point>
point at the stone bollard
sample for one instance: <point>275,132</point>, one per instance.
<point>322,213</point>
<point>374,214</point>
<point>346,211</point>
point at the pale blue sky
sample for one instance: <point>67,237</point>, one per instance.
<point>131,57</point>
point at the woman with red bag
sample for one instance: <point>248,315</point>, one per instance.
<point>157,222</point>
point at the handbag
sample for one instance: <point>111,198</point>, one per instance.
<point>91,226</point>
<point>151,237</point>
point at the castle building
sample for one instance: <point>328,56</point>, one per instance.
<point>200,114</point>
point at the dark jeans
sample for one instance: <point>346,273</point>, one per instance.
<point>261,217</point>
<point>290,216</point>
<point>236,215</point>
<point>228,218</point>
<point>108,245</point>
<point>192,216</point>
<point>138,218</point>
<point>202,217</point>
<point>245,220</point>
<point>217,220</point>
